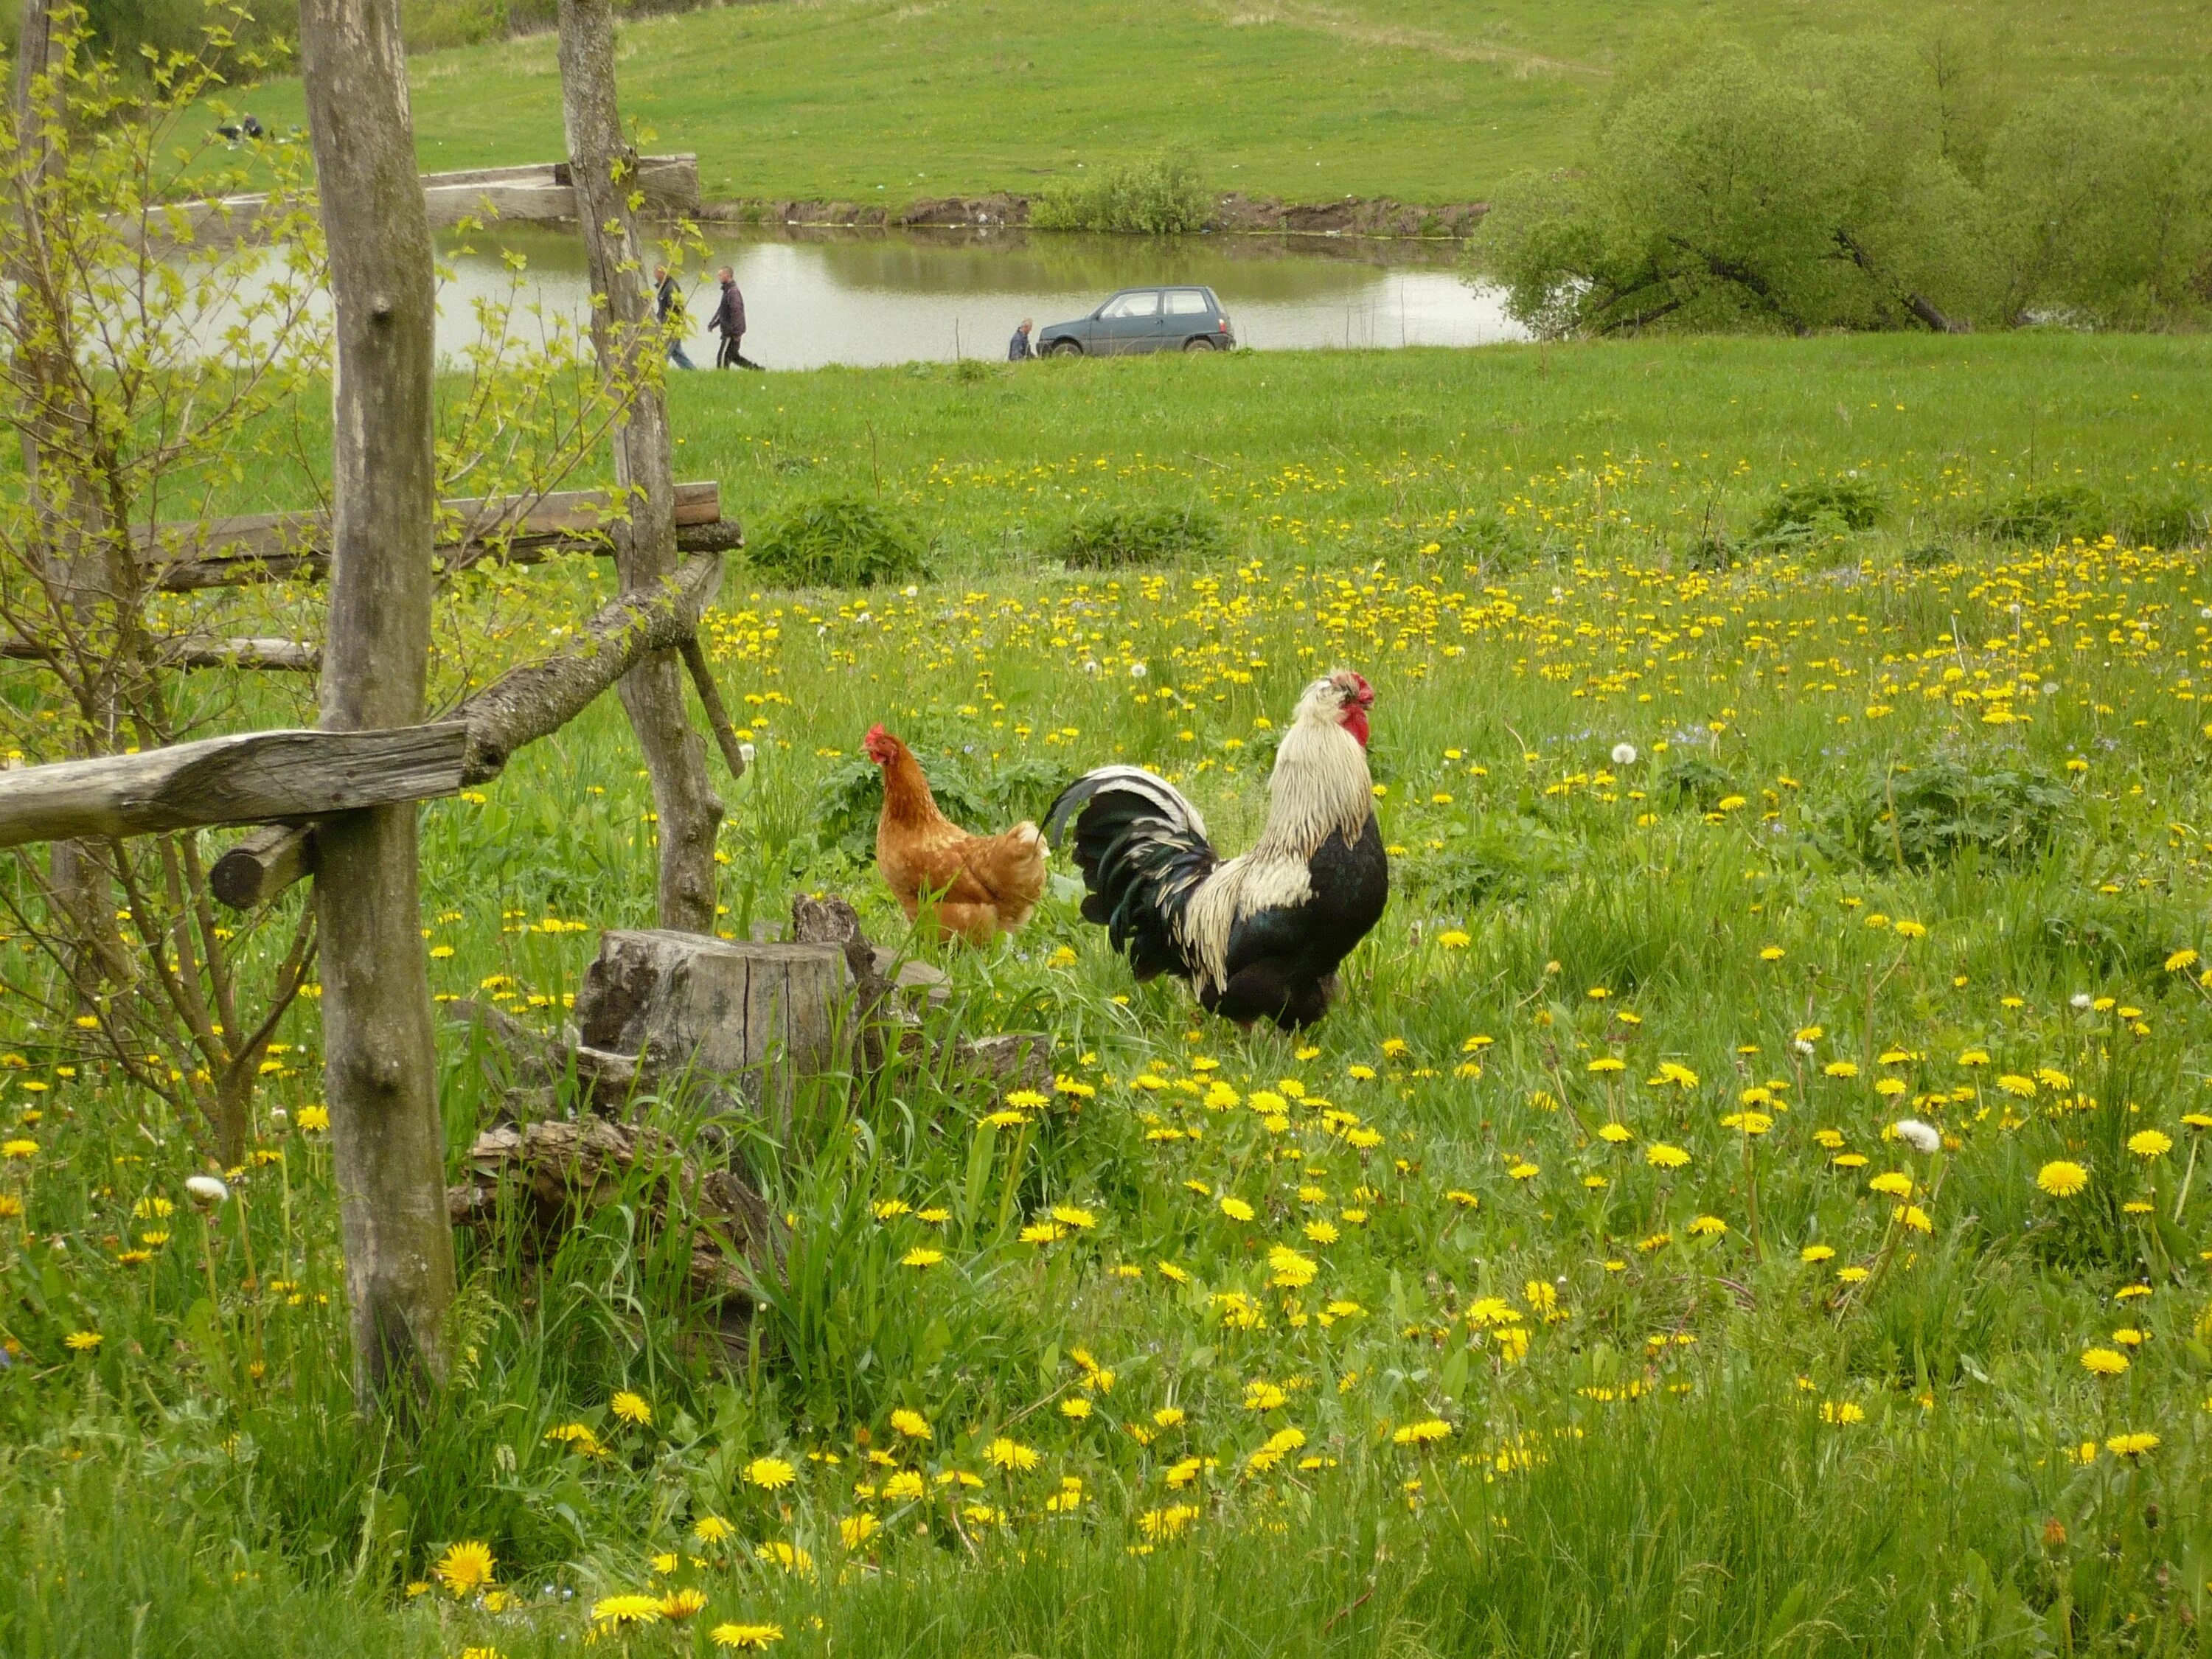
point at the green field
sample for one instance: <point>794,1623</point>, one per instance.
<point>1538,1302</point>
<point>859,100</point>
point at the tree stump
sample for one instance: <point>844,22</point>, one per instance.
<point>761,1015</point>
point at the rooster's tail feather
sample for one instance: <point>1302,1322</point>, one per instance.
<point>1143,851</point>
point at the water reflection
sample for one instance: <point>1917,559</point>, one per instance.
<point>863,298</point>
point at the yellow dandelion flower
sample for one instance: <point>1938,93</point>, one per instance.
<point>2061,1178</point>
<point>464,1569</point>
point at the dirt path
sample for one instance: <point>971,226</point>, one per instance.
<point>1328,20</point>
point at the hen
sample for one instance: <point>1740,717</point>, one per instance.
<point>976,886</point>
<point>1260,935</point>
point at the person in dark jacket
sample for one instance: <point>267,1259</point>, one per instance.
<point>729,322</point>
<point>1017,349</point>
<point>668,309</point>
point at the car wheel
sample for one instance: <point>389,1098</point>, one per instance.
<point>1063,348</point>
<point>1199,343</point>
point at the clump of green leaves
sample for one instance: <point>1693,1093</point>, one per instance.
<point>1496,857</point>
<point>1802,511</point>
<point>1945,809</point>
<point>971,792</point>
<point>1160,196</point>
<point>839,540</point>
<point>1107,536</point>
<point>1693,781</point>
<point>2043,513</point>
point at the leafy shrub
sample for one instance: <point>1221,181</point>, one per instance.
<point>1136,535</point>
<point>840,541</point>
<point>1693,781</point>
<point>1496,857</point>
<point>1943,809</point>
<point>1930,556</point>
<point>1800,512</point>
<point>1157,197</point>
<point>2175,520</point>
<point>2046,513</point>
<point>1710,550</point>
<point>985,799</point>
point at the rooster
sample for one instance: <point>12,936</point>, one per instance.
<point>976,886</point>
<point>1261,935</point>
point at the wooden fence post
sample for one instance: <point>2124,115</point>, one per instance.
<point>379,1060</point>
<point>602,168</point>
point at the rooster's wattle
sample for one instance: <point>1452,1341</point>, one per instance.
<point>1260,935</point>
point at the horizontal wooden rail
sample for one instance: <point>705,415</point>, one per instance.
<point>295,546</point>
<point>538,192</point>
<point>281,778</point>
<point>240,780</point>
<point>290,656</point>
<point>263,864</point>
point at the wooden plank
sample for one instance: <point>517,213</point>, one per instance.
<point>253,779</point>
<point>300,542</point>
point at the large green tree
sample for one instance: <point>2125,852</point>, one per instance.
<point>1858,186</point>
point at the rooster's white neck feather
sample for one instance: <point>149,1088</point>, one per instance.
<point>1320,787</point>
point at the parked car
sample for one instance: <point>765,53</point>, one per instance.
<point>1145,319</point>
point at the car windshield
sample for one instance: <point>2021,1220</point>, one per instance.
<point>1146,304</point>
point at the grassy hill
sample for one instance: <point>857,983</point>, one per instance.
<point>1421,99</point>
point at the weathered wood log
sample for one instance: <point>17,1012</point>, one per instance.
<point>274,546</point>
<point>761,1016</point>
<point>243,779</point>
<point>526,703</point>
<point>710,700</point>
<point>287,656</point>
<point>628,344</point>
<point>379,1055</point>
<point>263,864</point>
<point>521,706</point>
<point>557,1172</point>
<point>536,193</point>
<point>191,575</point>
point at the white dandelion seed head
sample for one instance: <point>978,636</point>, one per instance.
<point>2080,999</point>
<point>747,751</point>
<point>1624,754</point>
<point>1921,1137</point>
<point>1801,1045</point>
<point>205,1190</point>
<point>1138,670</point>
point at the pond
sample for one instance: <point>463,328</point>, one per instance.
<point>864,298</point>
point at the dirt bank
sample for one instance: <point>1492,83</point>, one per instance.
<point>1234,214</point>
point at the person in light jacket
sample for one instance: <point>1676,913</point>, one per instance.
<point>668,309</point>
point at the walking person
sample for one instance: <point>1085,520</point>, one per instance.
<point>1017,349</point>
<point>729,322</point>
<point>668,309</point>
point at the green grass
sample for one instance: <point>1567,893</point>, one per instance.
<point>1702,1445</point>
<point>856,100</point>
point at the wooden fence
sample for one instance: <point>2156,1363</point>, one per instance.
<point>335,802</point>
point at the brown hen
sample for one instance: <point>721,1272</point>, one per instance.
<point>976,886</point>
